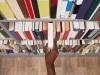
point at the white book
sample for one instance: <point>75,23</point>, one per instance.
<point>67,42</point>
<point>92,42</point>
<point>63,8</point>
<point>50,35</point>
<point>83,42</point>
<point>76,25</point>
<point>35,42</point>
<point>40,26</point>
<point>96,25</point>
<point>96,41</point>
<point>30,42</point>
<point>5,41</point>
<point>90,25</point>
<point>15,8</point>
<point>72,33</point>
<point>37,25</point>
<point>71,42</point>
<point>79,2</point>
<point>33,26</point>
<point>19,27</point>
<point>82,25</point>
<point>63,30</point>
<point>75,42</point>
<point>59,6</point>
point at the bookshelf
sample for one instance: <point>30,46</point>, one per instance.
<point>38,30</point>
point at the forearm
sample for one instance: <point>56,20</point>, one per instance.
<point>50,69</point>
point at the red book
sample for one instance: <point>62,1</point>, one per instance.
<point>66,35</point>
<point>30,10</point>
<point>57,35</point>
<point>67,29</point>
<point>28,35</point>
<point>45,34</point>
<point>20,38</point>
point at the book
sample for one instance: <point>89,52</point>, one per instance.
<point>11,29</point>
<point>67,29</point>
<point>35,8</point>
<point>36,29</point>
<point>68,8</point>
<point>3,33</point>
<point>58,30</point>
<point>81,29</point>
<point>23,8</point>
<point>53,8</point>
<point>63,8</point>
<point>73,32</point>
<point>15,9</point>
<point>43,4</point>
<point>96,13</point>
<point>50,35</point>
<point>19,29</point>
<point>27,29</point>
<point>58,8</point>
<point>92,9</point>
<point>45,30</point>
<point>85,5</point>
<point>1,17</point>
<point>40,30</point>
<point>75,9</point>
<point>89,28</point>
<point>5,10</point>
<point>30,8</point>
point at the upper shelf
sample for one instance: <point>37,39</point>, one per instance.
<point>50,9</point>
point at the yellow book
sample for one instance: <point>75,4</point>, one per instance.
<point>6,11</point>
<point>44,8</point>
<point>15,8</point>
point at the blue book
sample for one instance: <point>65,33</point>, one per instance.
<point>69,5</point>
<point>84,9</point>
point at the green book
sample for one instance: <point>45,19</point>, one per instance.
<point>91,9</point>
<point>4,33</point>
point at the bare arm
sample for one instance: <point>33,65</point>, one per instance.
<point>50,58</point>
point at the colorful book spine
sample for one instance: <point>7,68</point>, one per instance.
<point>68,8</point>
<point>11,29</point>
<point>91,9</point>
<point>45,30</point>
<point>85,5</point>
<point>27,31</point>
<point>96,13</point>
<point>6,11</point>
<point>44,4</point>
<point>30,9</point>
<point>53,8</point>
<point>35,8</point>
<point>67,29</point>
<point>58,30</point>
<point>16,9</point>
<point>23,8</point>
